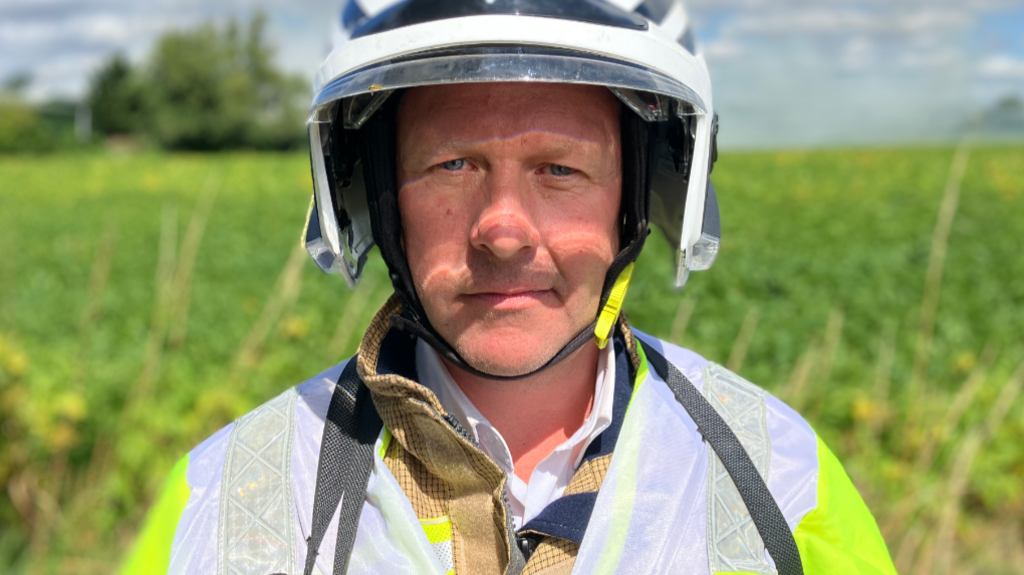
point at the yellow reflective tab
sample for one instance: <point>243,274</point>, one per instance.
<point>840,535</point>
<point>611,310</point>
<point>439,534</point>
<point>385,441</point>
<point>151,554</point>
<point>438,529</point>
<point>642,372</point>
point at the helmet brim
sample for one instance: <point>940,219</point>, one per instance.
<point>497,64</point>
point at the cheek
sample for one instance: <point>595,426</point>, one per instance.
<point>434,234</point>
<point>583,237</point>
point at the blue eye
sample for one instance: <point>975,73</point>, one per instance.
<point>454,165</point>
<point>557,170</point>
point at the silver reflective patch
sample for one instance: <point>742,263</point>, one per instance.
<point>734,545</point>
<point>255,528</point>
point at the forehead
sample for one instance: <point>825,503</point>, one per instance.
<point>487,111</point>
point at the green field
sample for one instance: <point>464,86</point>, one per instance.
<point>147,300</point>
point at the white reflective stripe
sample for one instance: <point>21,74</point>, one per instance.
<point>256,521</point>
<point>734,545</point>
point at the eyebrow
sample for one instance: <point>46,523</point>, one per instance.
<point>559,148</point>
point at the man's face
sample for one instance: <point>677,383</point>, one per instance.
<point>509,196</point>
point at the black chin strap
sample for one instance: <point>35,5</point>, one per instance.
<point>378,157</point>
<point>446,351</point>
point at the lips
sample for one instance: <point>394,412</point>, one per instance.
<point>511,300</point>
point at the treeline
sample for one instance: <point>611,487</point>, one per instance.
<point>208,88</point>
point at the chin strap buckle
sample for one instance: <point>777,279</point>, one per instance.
<point>610,312</point>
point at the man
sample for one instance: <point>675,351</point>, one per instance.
<point>501,416</point>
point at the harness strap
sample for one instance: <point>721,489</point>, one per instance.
<point>763,509</point>
<point>346,458</point>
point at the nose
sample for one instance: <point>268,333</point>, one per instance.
<point>504,226</point>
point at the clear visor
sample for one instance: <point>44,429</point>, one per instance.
<point>649,93</point>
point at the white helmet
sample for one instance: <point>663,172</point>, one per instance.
<point>643,51</point>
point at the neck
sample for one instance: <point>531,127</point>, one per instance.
<point>536,414</point>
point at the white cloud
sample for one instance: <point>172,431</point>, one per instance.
<point>63,75</point>
<point>1001,67</point>
<point>722,49</point>
<point>932,59</point>
<point>859,53</point>
<point>98,29</point>
<point>843,36</point>
<point>847,20</point>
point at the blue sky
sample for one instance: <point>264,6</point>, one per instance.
<point>786,72</point>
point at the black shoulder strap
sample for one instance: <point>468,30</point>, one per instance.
<point>346,457</point>
<point>765,512</point>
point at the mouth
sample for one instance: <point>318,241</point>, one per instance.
<point>512,300</point>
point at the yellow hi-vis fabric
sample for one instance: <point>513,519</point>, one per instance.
<point>840,535</point>
<point>152,551</point>
<point>439,533</point>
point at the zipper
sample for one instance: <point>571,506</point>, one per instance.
<point>517,545</point>
<point>526,544</point>
<point>453,422</point>
<point>523,545</point>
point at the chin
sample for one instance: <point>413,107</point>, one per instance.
<point>510,352</point>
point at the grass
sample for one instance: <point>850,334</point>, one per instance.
<point>146,301</point>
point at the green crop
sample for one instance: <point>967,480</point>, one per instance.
<point>146,301</point>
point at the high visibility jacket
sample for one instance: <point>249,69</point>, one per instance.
<point>649,496</point>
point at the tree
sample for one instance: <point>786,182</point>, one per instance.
<point>16,83</point>
<point>19,128</point>
<point>22,129</point>
<point>1006,117</point>
<point>116,98</point>
<point>211,88</point>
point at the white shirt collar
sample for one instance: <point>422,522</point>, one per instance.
<point>553,473</point>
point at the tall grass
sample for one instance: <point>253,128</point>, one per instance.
<point>147,301</point>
